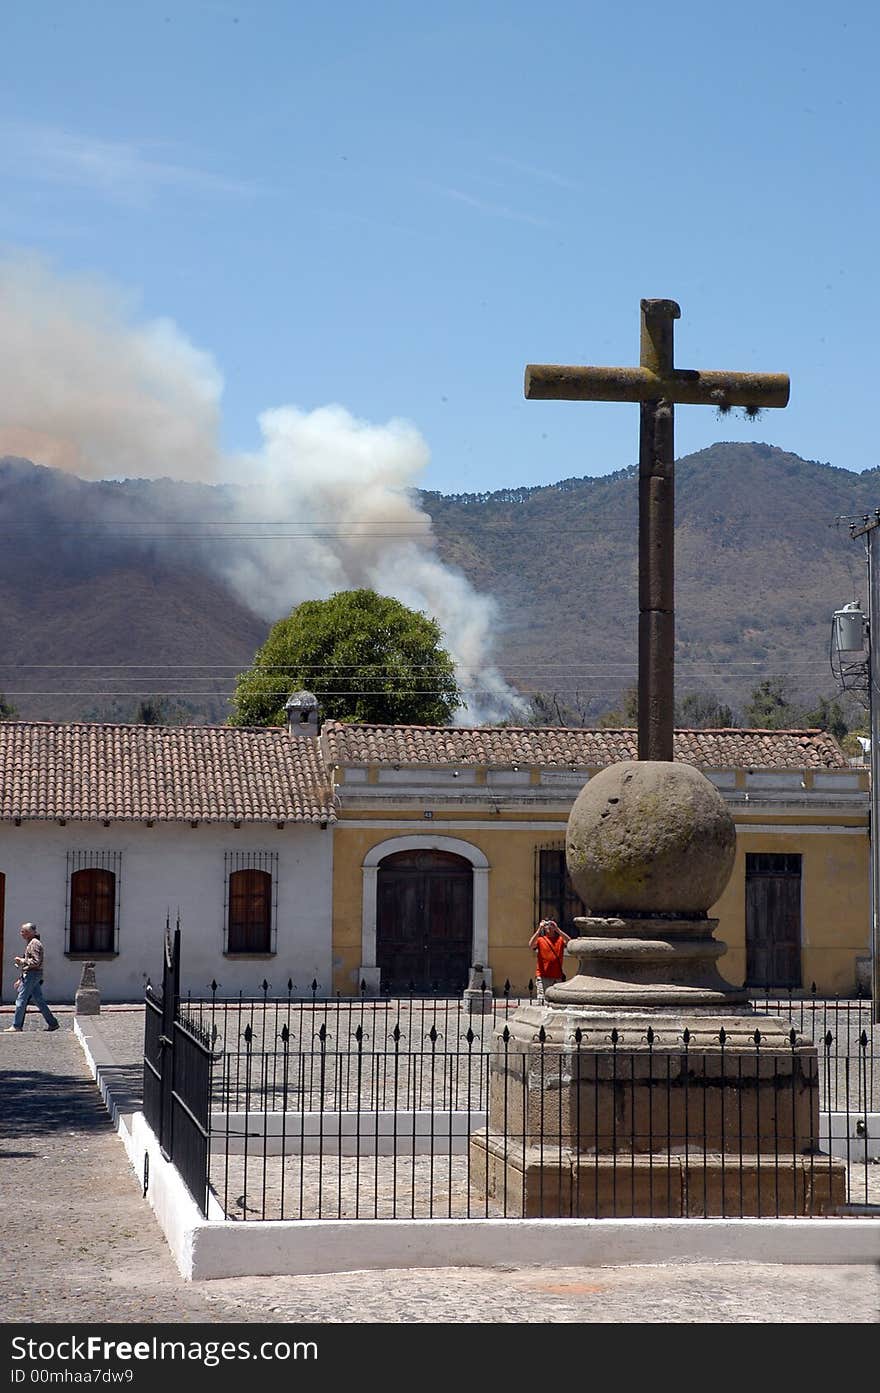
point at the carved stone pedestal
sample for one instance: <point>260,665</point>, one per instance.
<point>645,1084</point>
<point>598,1113</point>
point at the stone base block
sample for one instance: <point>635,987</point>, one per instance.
<point>478,1003</point>
<point>87,1003</point>
<point>556,1182</point>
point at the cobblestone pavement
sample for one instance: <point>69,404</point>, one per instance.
<point>80,1244</point>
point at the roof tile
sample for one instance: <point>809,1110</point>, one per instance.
<point>577,748</point>
<point>94,772</point>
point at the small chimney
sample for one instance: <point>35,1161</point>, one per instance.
<point>302,714</point>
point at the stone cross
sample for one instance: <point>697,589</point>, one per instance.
<point>657,385</point>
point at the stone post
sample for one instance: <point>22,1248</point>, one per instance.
<point>477,994</point>
<point>87,1001</point>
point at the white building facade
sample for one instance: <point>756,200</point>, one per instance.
<point>107,832</point>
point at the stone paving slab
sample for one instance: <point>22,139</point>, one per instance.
<point>80,1244</point>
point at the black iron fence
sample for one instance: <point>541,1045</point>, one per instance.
<point>267,1012</point>
<point>177,1077</point>
<point>286,1106</point>
<point>503,1131</point>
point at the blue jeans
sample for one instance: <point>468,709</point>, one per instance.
<point>31,989</point>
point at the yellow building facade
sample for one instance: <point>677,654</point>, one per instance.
<point>449,846</point>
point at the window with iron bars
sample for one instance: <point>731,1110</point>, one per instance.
<point>555,896</point>
<point>91,911</point>
<point>250,911</point>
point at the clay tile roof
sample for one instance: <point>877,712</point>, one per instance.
<point>549,747</point>
<point>136,773</point>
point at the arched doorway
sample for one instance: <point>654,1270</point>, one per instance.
<point>424,921</point>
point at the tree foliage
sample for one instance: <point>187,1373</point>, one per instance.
<point>626,715</point>
<point>572,709</point>
<point>366,657</point>
<point>155,711</point>
<point>696,711</point>
<point>828,715</point>
<point>7,711</point>
<point>703,711</point>
<point>770,707</point>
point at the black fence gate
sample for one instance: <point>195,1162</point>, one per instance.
<point>177,1077</point>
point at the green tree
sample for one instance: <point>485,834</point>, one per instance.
<point>155,711</point>
<point>550,709</point>
<point>828,714</point>
<point>702,711</point>
<point>7,710</point>
<point>626,715</point>
<point>366,657</point>
<point>770,707</point>
<point>852,746</point>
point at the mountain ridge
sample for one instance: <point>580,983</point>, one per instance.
<point>761,564</point>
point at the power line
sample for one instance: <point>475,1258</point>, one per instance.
<point>743,669</point>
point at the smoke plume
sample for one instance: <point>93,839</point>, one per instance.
<point>328,503</point>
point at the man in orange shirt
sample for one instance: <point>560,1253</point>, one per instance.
<point>549,942</point>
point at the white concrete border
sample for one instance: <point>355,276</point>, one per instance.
<point>403,1133</point>
<point>215,1247</point>
<point>303,1246</point>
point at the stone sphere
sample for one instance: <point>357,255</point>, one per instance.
<point>650,837</point>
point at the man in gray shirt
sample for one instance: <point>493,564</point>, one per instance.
<point>30,983</point>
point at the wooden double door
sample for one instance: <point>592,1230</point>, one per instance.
<point>773,920</point>
<point>424,921</point>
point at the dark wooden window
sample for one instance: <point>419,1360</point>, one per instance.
<point>250,912</point>
<point>555,896</point>
<point>773,919</point>
<point>92,911</point>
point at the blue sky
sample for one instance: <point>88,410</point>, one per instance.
<point>395,207</point>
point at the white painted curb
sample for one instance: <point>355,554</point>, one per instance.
<point>344,1133</point>
<point>216,1247</point>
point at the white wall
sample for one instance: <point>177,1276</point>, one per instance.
<point>170,868</point>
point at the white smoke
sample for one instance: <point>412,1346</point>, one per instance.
<point>87,389</point>
<point>84,390</point>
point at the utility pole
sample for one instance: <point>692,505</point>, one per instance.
<point>870,530</point>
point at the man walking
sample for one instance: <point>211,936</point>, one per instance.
<point>30,983</point>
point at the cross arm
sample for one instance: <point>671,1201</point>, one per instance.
<point>555,382</point>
